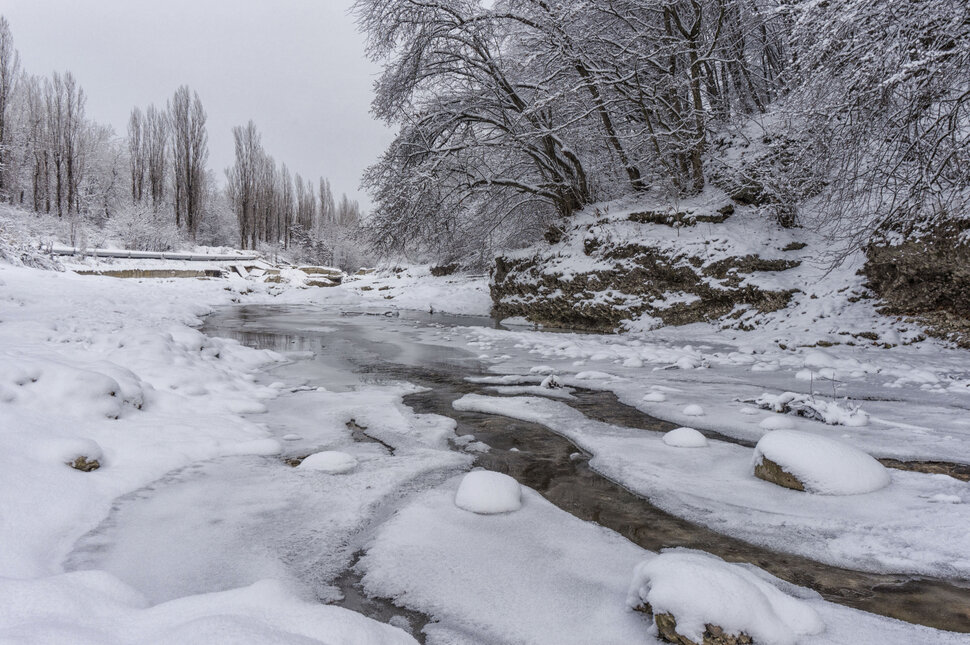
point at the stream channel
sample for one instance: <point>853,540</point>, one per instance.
<point>172,539</point>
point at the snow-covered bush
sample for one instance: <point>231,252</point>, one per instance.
<point>807,406</point>
<point>139,228</point>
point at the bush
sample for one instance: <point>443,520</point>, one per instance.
<point>141,229</point>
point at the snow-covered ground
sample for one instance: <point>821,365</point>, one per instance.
<point>194,528</point>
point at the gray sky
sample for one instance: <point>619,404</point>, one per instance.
<point>295,67</point>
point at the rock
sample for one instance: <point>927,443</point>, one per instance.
<point>553,234</point>
<point>817,464</point>
<point>926,276</point>
<point>636,284</point>
<point>84,464</point>
<point>698,599</point>
<point>713,635</point>
<point>334,275</point>
<point>444,269</point>
<point>321,282</point>
<point>772,472</point>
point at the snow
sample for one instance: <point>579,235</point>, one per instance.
<point>415,288</point>
<point>825,466</point>
<point>332,462</point>
<point>883,531</point>
<point>488,493</point>
<point>92,607</point>
<point>693,410</point>
<point>700,589</point>
<point>829,412</point>
<point>538,575</point>
<point>685,438</point>
<point>194,528</point>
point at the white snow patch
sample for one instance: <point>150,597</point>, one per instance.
<point>654,397</point>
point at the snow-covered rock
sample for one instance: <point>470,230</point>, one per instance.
<point>693,410</point>
<point>776,423</point>
<point>655,397</point>
<point>685,438</point>
<point>819,464</point>
<point>330,461</point>
<point>702,593</point>
<point>486,492</point>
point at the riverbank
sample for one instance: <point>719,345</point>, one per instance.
<point>117,371</point>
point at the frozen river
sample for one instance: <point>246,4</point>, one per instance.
<point>384,538</point>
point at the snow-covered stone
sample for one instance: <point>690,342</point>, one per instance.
<point>330,461</point>
<point>821,465</point>
<point>693,410</point>
<point>700,591</point>
<point>655,397</point>
<point>486,492</point>
<point>685,438</point>
<point>776,423</point>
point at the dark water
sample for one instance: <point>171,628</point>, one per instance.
<point>383,349</point>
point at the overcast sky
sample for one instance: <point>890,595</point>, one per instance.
<point>295,67</point>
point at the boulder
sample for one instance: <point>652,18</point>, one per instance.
<point>817,464</point>
<point>84,464</point>
<point>769,471</point>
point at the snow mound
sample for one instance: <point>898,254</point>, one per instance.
<point>776,423</point>
<point>700,589</point>
<point>685,438</point>
<point>693,410</point>
<point>486,492</point>
<point>330,461</point>
<point>822,465</point>
<point>654,397</point>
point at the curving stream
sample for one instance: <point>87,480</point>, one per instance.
<point>266,522</point>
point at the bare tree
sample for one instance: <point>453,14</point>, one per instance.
<point>242,180</point>
<point>156,136</point>
<point>136,154</point>
<point>9,66</point>
<point>190,154</point>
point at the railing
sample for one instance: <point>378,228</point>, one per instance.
<point>149,255</point>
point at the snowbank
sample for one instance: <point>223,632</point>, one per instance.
<point>92,607</point>
<point>699,589</point>
<point>822,465</point>
<point>486,492</point>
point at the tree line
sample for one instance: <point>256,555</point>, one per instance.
<point>154,185</point>
<point>514,113</point>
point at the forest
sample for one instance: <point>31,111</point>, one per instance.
<point>151,187</point>
<point>846,116</point>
